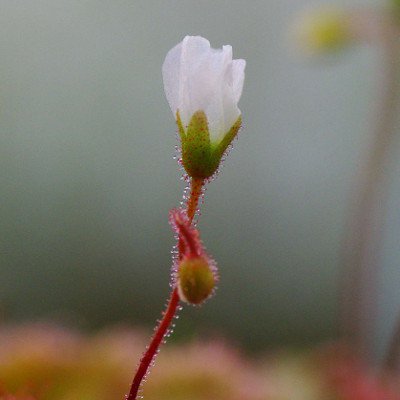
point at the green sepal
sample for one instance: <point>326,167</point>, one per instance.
<point>222,146</point>
<point>200,157</point>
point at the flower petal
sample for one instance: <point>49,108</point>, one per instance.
<point>199,78</point>
<point>170,73</point>
<point>238,67</point>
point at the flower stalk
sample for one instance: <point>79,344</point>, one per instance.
<point>152,350</point>
<point>196,188</point>
<point>168,315</point>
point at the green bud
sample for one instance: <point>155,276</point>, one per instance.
<point>196,279</point>
<point>201,156</point>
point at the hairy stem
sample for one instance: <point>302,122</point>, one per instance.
<point>156,340</point>
<point>168,315</point>
<point>196,187</point>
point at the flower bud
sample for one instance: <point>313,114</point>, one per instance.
<point>203,87</point>
<point>196,279</point>
<point>322,30</point>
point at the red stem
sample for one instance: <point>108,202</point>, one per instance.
<point>196,186</point>
<point>189,241</point>
<point>168,315</point>
<point>148,356</point>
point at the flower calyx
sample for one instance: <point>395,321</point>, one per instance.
<point>200,156</point>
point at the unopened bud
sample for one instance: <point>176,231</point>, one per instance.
<point>196,279</point>
<point>203,87</point>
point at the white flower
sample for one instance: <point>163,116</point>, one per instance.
<point>199,78</point>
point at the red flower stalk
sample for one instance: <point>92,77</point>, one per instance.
<point>188,241</point>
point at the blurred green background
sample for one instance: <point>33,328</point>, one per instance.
<point>88,177</point>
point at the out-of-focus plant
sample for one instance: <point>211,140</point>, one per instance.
<point>51,363</point>
<point>45,362</point>
<point>321,31</point>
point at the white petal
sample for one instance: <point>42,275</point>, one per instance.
<point>238,67</point>
<point>170,73</point>
<point>197,77</point>
<point>216,110</point>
